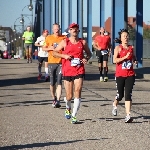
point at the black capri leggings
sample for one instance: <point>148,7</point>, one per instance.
<point>127,83</point>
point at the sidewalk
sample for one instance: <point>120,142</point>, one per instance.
<point>140,72</point>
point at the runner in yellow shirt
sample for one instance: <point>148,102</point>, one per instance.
<point>28,37</point>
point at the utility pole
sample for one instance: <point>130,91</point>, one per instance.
<point>30,7</point>
<point>22,45</point>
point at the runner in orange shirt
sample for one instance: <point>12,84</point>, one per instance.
<point>54,64</point>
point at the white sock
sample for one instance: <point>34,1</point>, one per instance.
<point>68,103</point>
<point>46,72</point>
<point>128,114</point>
<point>76,106</point>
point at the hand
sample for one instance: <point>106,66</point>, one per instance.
<point>84,61</point>
<point>51,47</point>
<point>135,62</point>
<point>128,54</point>
<point>109,53</point>
<point>99,48</point>
<point>68,57</point>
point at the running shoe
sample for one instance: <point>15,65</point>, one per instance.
<point>101,79</point>
<point>39,77</point>
<point>56,103</point>
<point>67,113</point>
<point>114,111</point>
<point>105,79</point>
<point>46,79</point>
<point>73,120</point>
<point>128,119</point>
<point>27,60</point>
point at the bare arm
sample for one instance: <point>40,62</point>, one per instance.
<point>95,45</point>
<point>116,52</point>
<point>87,50</point>
<point>60,46</point>
<point>50,48</point>
<point>134,57</point>
<point>109,46</point>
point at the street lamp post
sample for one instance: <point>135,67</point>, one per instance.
<point>30,7</point>
<point>15,37</point>
<point>22,22</point>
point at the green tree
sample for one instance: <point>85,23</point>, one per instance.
<point>146,33</point>
<point>132,32</point>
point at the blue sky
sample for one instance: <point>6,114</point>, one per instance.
<point>12,9</point>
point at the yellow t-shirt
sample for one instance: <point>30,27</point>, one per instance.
<point>50,41</point>
<point>28,36</point>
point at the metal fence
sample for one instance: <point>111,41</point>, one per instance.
<point>146,47</point>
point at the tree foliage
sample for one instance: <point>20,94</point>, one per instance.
<point>146,33</point>
<point>132,32</point>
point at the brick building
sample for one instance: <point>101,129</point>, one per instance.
<point>131,23</point>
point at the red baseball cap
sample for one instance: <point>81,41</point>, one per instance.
<point>45,31</point>
<point>73,25</point>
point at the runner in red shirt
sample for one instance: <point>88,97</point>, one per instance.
<point>103,48</point>
<point>125,77</point>
<point>73,68</point>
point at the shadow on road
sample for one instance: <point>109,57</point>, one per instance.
<point>91,76</point>
<point>19,81</point>
<point>26,103</point>
<point>38,145</point>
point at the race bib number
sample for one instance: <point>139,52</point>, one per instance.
<point>103,52</point>
<point>42,43</point>
<point>29,38</point>
<point>126,64</point>
<point>75,62</point>
<point>55,45</point>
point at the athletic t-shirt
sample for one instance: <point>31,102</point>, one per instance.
<point>50,41</point>
<point>102,41</point>
<point>41,40</point>
<point>73,67</point>
<point>125,68</point>
<point>28,37</point>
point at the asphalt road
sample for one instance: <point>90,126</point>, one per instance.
<point>27,120</point>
